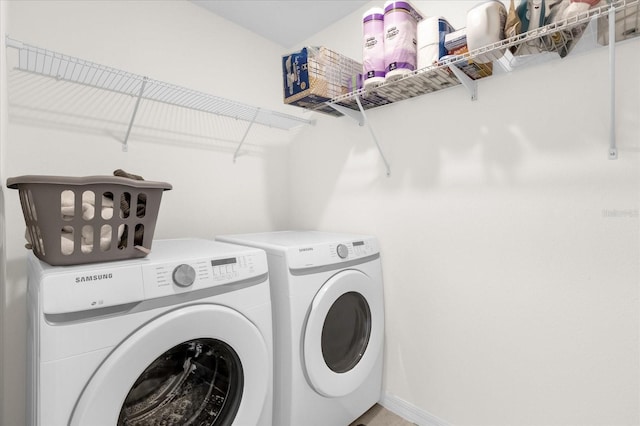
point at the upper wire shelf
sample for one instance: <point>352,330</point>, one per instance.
<point>45,62</point>
<point>559,37</point>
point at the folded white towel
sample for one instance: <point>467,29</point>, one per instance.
<point>67,205</point>
<point>88,205</point>
<point>86,240</point>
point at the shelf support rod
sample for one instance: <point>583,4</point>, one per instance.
<point>613,150</point>
<point>361,118</point>
<point>246,132</point>
<point>468,82</point>
<point>125,146</point>
<point>373,136</point>
<point>356,115</point>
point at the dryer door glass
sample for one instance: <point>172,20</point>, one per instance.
<point>343,333</point>
<point>198,382</point>
<point>346,331</point>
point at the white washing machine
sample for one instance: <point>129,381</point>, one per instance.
<point>327,300</point>
<point>180,337</point>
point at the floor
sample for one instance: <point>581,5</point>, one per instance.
<point>380,416</point>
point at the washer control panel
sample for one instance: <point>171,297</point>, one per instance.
<point>331,253</point>
<point>174,267</point>
<point>166,279</point>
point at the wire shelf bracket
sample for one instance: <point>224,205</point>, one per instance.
<point>244,137</point>
<point>125,146</point>
<point>470,84</point>
<point>361,118</point>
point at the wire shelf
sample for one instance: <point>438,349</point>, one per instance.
<point>558,38</point>
<point>63,67</point>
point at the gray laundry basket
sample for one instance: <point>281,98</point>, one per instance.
<point>76,220</point>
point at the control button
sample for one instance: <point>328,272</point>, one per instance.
<point>342,251</point>
<point>184,275</point>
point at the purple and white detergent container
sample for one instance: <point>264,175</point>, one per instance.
<point>400,38</point>
<point>373,47</point>
<point>431,35</point>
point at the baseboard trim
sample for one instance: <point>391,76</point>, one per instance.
<point>410,412</point>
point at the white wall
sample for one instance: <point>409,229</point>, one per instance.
<point>173,41</point>
<point>510,243</point>
<point>511,290</point>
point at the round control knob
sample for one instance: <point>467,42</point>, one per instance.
<point>343,251</point>
<point>184,275</point>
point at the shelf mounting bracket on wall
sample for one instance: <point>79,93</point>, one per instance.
<point>246,132</point>
<point>361,118</point>
<point>613,150</point>
<point>470,84</point>
<point>125,146</point>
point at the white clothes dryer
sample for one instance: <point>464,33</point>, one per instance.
<point>180,337</point>
<point>327,300</point>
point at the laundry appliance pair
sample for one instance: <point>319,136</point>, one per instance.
<point>280,328</point>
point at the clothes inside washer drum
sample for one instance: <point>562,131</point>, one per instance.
<point>191,384</point>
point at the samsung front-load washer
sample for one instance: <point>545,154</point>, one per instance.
<point>327,301</point>
<point>181,337</point>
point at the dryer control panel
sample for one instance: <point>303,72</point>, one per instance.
<point>337,252</point>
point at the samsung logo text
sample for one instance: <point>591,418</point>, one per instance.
<point>90,278</point>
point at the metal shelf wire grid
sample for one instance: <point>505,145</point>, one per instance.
<point>44,62</point>
<point>559,37</point>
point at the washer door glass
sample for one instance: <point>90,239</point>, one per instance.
<point>198,382</point>
<point>346,332</point>
<point>343,333</point>
<point>197,365</point>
